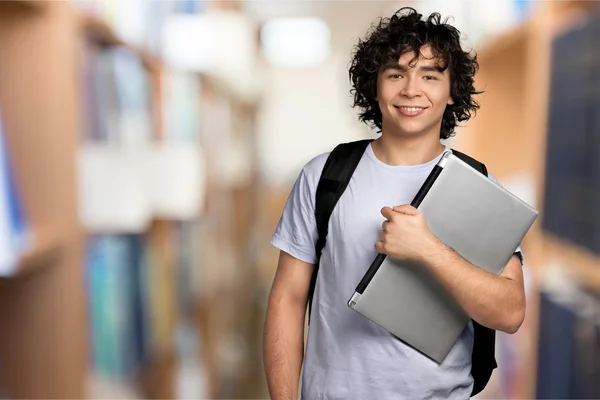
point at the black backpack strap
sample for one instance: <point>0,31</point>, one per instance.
<point>483,360</point>
<point>336,174</point>
<point>471,161</point>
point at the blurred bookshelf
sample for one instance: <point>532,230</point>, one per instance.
<point>140,258</point>
<point>94,304</point>
<point>92,114</point>
<point>511,132</point>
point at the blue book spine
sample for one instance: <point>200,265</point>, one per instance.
<point>19,227</point>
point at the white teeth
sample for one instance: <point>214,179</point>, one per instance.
<point>411,109</point>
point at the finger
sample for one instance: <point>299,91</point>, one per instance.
<point>387,212</point>
<point>385,226</point>
<point>406,209</point>
<point>379,247</point>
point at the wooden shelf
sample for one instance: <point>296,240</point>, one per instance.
<point>35,6</point>
<point>575,5</point>
<point>157,377</point>
<point>101,33</point>
<point>509,134</point>
<point>499,126</point>
<point>498,46</point>
<point>580,263</point>
<point>46,244</point>
<point>43,322</point>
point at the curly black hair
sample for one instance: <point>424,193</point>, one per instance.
<point>404,31</point>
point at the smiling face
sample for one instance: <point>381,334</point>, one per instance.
<point>412,98</point>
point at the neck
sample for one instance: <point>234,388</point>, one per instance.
<point>397,150</point>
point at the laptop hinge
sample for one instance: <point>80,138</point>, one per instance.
<point>354,299</point>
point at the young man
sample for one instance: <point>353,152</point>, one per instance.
<point>412,80</point>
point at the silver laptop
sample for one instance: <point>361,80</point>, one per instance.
<point>470,213</point>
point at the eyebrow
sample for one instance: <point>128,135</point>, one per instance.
<point>401,67</point>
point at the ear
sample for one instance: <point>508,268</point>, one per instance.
<point>450,101</point>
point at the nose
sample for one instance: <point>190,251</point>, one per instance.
<point>411,87</point>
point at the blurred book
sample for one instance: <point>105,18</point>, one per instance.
<point>593,192</point>
<point>139,288</point>
<point>139,298</point>
<point>568,346</point>
<point>120,305</point>
<point>108,286</point>
<point>132,86</point>
<point>14,228</point>
<point>113,166</point>
<point>117,96</point>
<point>186,239</point>
<point>161,287</point>
<point>181,105</point>
<point>555,350</point>
<point>567,183</point>
<point>524,8</point>
<point>191,6</point>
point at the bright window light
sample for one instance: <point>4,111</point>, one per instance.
<point>296,42</point>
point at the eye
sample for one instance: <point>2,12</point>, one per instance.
<point>429,78</point>
<point>395,76</point>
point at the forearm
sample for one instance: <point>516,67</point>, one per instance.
<point>283,349</point>
<point>493,301</point>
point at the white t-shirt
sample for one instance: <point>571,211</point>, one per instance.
<point>348,356</point>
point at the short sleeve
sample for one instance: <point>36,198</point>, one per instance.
<point>518,251</point>
<point>296,231</point>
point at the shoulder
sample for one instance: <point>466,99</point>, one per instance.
<point>311,171</point>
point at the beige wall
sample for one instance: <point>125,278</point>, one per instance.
<point>307,111</point>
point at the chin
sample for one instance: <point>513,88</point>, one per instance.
<point>409,128</point>
<point>410,131</point>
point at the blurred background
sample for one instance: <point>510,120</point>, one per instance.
<point>147,149</point>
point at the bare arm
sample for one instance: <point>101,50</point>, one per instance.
<point>494,301</point>
<point>283,339</point>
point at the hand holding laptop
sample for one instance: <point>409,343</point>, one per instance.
<point>405,234</point>
<point>460,208</point>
